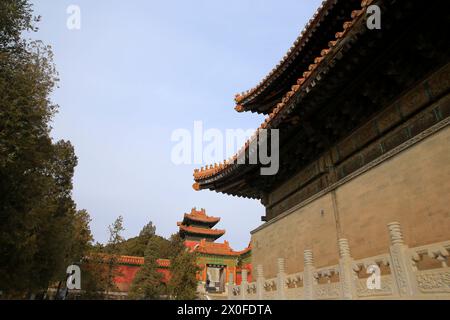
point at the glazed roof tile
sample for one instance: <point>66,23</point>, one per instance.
<point>244,98</point>
<point>223,249</point>
<point>203,231</point>
<point>139,261</point>
<point>213,170</point>
<point>200,216</point>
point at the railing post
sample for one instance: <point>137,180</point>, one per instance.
<point>281,280</point>
<point>401,266</point>
<point>244,285</point>
<point>308,275</point>
<point>230,286</point>
<point>346,274</point>
<point>259,282</point>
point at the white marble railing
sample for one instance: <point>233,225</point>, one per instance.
<point>403,272</point>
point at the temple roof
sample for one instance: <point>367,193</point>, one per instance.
<point>208,233</point>
<point>222,249</point>
<point>205,176</point>
<point>357,74</point>
<point>264,97</point>
<point>163,263</point>
<point>139,261</point>
<point>196,216</point>
<point>131,260</point>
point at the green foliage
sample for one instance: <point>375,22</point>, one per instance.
<point>136,246</point>
<point>112,250</point>
<point>176,245</point>
<point>41,232</point>
<point>147,285</point>
<point>15,17</point>
<point>100,266</point>
<point>133,247</point>
<point>115,236</point>
<point>95,280</point>
<point>183,283</point>
<point>148,230</point>
<point>183,269</point>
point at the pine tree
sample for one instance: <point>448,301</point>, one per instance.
<point>95,277</point>
<point>183,270</point>
<point>113,251</point>
<point>41,232</point>
<point>115,236</point>
<point>148,230</point>
<point>147,285</point>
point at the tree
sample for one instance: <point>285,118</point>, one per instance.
<point>15,17</point>
<point>176,244</point>
<point>115,236</point>
<point>183,270</point>
<point>82,235</point>
<point>41,232</point>
<point>148,230</point>
<point>147,285</point>
<point>112,250</point>
<point>136,246</point>
<point>95,279</point>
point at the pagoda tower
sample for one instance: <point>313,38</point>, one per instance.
<point>197,226</point>
<point>217,261</point>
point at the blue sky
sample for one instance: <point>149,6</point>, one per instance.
<point>138,70</point>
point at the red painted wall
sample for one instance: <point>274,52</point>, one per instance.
<point>247,267</point>
<point>127,274</point>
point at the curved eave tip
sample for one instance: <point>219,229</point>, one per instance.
<point>238,98</point>
<point>239,108</point>
<point>196,186</point>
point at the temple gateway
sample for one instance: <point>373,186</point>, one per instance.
<point>360,207</point>
<point>217,261</point>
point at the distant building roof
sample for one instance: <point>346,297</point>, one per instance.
<point>199,216</point>
<point>219,176</point>
<point>223,249</point>
<point>139,261</point>
<point>201,231</point>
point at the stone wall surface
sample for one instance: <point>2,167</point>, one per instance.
<point>400,272</point>
<point>399,172</point>
<point>413,188</point>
